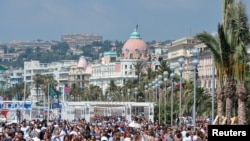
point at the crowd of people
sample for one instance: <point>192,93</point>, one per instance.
<point>101,129</point>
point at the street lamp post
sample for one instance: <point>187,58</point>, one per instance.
<point>195,63</point>
<point>146,93</point>
<point>159,98</point>
<point>149,87</point>
<point>213,87</point>
<point>155,87</point>
<point>122,95</point>
<point>181,61</point>
<point>172,93</point>
<point>165,74</point>
<point>136,90</point>
<point>128,95</point>
<point>156,94</point>
<point>153,92</point>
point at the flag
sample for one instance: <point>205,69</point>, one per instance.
<point>52,91</point>
<point>67,90</point>
<point>45,111</point>
<point>4,111</point>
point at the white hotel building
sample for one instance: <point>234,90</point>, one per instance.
<point>120,69</point>
<point>60,71</point>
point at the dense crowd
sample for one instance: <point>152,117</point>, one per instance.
<point>100,129</point>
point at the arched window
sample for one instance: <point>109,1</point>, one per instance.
<point>137,51</point>
<point>127,50</point>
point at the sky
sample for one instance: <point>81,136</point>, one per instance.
<point>159,20</point>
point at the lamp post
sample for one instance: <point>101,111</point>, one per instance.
<point>146,93</point>
<point>153,92</point>
<point>155,87</point>
<point>195,63</point>
<point>156,84</point>
<point>128,95</point>
<point>165,74</point>
<point>159,96</point>
<point>172,93</point>
<point>149,95</point>
<point>213,88</point>
<point>136,90</point>
<point>181,61</point>
<point>122,95</point>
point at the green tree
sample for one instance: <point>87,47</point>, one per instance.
<point>76,92</point>
<point>240,37</point>
<point>61,48</point>
<point>164,66</point>
<point>228,56</point>
<point>96,92</point>
<point>138,67</point>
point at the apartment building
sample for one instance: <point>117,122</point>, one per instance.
<point>20,46</point>
<point>59,70</point>
<point>74,40</point>
<point>80,73</point>
<point>205,68</point>
<point>15,76</point>
<point>182,48</point>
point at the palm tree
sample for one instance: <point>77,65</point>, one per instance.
<point>95,91</point>
<point>138,68</point>
<point>164,66</point>
<point>232,36</point>
<point>86,94</point>
<point>129,84</point>
<point>149,73</point>
<point>248,88</point>
<point>203,100</point>
<point>111,89</point>
<point>38,80</point>
<point>47,80</point>
<point>75,92</point>
<point>227,64</point>
<point>213,43</point>
<point>20,88</point>
<point>239,30</point>
<point>187,98</point>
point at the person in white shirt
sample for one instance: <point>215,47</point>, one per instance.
<point>24,128</point>
<point>187,137</point>
<point>36,136</point>
<point>56,136</point>
<point>62,133</point>
<point>104,138</point>
<point>183,132</point>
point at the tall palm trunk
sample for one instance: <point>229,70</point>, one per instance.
<point>229,93</point>
<point>220,101</point>
<point>242,96</point>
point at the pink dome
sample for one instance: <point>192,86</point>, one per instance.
<point>133,45</point>
<point>82,63</point>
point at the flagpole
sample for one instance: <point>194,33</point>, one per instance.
<point>44,105</point>
<point>24,90</point>
<point>48,101</point>
<point>63,94</point>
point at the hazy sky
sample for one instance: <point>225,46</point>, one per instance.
<point>158,20</point>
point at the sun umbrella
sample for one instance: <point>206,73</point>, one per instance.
<point>134,125</point>
<point>3,68</point>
